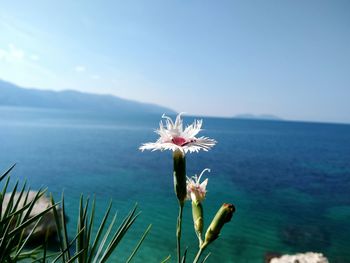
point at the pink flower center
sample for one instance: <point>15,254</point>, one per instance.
<point>179,141</point>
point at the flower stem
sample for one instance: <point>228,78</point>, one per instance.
<point>178,232</point>
<point>200,251</point>
<point>200,240</point>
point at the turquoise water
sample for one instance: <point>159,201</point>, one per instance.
<point>290,181</point>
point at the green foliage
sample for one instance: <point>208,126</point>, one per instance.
<point>15,221</point>
<point>83,248</point>
<point>97,249</point>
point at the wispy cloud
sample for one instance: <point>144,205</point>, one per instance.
<point>15,52</point>
<point>12,53</point>
<point>80,68</point>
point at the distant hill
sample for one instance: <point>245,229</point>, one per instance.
<point>257,117</point>
<point>13,95</point>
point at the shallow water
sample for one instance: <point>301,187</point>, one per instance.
<point>290,181</point>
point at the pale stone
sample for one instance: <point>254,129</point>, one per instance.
<point>47,222</point>
<point>309,257</point>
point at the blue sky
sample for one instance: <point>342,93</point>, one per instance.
<point>216,58</point>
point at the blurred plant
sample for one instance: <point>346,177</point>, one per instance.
<point>97,249</point>
<point>17,228</point>
<point>16,223</point>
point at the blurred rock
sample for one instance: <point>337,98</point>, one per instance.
<point>309,257</point>
<point>47,222</point>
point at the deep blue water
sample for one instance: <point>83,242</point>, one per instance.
<point>290,181</point>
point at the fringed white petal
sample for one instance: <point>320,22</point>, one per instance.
<point>169,131</point>
<point>172,129</point>
<point>203,185</point>
<point>203,143</point>
<point>178,122</point>
<point>154,146</point>
<point>192,130</point>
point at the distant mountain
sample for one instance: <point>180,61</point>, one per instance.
<point>257,117</point>
<point>13,95</point>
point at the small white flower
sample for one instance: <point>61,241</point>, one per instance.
<point>174,137</point>
<point>196,191</point>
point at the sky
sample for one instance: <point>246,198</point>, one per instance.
<point>208,58</point>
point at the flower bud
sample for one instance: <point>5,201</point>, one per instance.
<point>180,176</point>
<point>223,216</point>
<point>197,214</point>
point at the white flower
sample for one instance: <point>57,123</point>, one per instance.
<point>196,191</point>
<point>174,137</point>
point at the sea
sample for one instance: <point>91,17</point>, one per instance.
<point>289,181</point>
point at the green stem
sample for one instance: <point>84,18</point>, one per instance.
<point>200,251</point>
<point>178,232</point>
<point>200,240</point>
